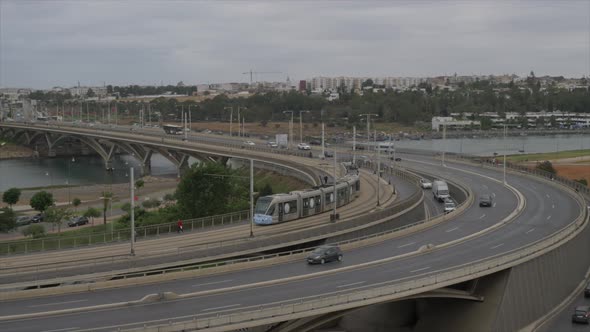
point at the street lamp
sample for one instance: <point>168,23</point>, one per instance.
<point>504,154</point>
<point>68,181</point>
<point>368,126</point>
<point>290,128</point>
<point>301,126</point>
<point>231,116</point>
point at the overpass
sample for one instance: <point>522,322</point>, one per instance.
<point>518,252</point>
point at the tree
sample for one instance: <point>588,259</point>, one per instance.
<point>266,190</point>
<point>35,231</point>
<point>7,220</point>
<point>107,196</point>
<point>90,93</point>
<point>41,201</point>
<point>582,181</point>
<point>547,167</point>
<point>210,188</point>
<point>139,184</point>
<point>76,202</point>
<point>11,196</point>
<point>56,216</point>
<point>92,213</point>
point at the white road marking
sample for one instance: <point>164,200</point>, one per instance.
<point>553,206</point>
<point>212,283</point>
<point>348,285</point>
<point>547,195</point>
<point>56,303</point>
<point>424,268</point>
<point>498,246</point>
<point>494,205</point>
<point>493,194</point>
<point>548,217</point>
<point>224,307</point>
<point>452,229</point>
<point>482,216</point>
<point>407,244</point>
<point>530,230</point>
<point>65,329</point>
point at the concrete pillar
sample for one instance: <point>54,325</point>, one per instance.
<point>108,165</point>
<point>51,153</point>
<point>146,168</point>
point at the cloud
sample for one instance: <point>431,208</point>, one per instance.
<point>48,43</point>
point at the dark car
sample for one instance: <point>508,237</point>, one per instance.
<point>323,254</point>
<point>587,291</point>
<point>37,218</point>
<point>328,154</point>
<point>581,314</point>
<point>485,200</point>
<point>315,142</point>
<point>77,221</point>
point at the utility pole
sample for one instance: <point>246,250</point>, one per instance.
<point>378,171</point>
<point>301,126</point>
<point>354,145</point>
<point>323,144</point>
<point>335,193</point>
<point>251,197</point>
<point>444,144</point>
<point>132,185</point>
<point>290,128</point>
<point>505,154</point>
<point>368,127</point>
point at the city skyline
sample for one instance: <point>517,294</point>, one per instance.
<point>46,44</point>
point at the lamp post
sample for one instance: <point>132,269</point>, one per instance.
<point>504,171</point>
<point>132,189</point>
<point>368,126</point>
<point>290,128</point>
<point>334,190</point>
<point>231,116</point>
<point>301,126</point>
<point>68,181</point>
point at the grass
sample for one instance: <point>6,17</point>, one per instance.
<point>548,156</point>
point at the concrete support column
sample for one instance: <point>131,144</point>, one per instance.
<point>146,168</point>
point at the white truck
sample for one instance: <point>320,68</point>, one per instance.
<point>440,190</point>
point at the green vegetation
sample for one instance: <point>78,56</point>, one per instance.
<point>92,213</point>
<point>57,216</point>
<point>76,202</point>
<point>34,231</point>
<point>7,220</point>
<point>41,201</point>
<point>11,196</point>
<point>548,156</point>
<point>546,166</point>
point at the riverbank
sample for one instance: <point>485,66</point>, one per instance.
<point>14,151</point>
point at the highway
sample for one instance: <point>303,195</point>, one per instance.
<point>547,210</point>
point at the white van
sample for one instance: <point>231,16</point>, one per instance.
<point>440,190</point>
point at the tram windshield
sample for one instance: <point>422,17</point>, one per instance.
<point>262,205</point>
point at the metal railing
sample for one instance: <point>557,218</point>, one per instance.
<point>120,235</point>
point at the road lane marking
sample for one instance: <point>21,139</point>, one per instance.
<point>64,329</point>
<point>547,195</point>
<point>212,283</point>
<point>482,216</point>
<point>452,229</point>
<point>530,230</point>
<point>407,244</point>
<point>348,285</point>
<point>494,205</point>
<point>548,217</point>
<point>498,246</point>
<point>424,268</point>
<point>493,194</point>
<point>224,307</point>
<point>56,303</point>
<point>553,206</point>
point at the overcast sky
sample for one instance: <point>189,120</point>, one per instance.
<point>57,43</point>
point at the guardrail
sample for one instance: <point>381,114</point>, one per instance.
<point>280,311</point>
<point>68,242</point>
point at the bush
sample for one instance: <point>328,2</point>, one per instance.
<point>36,231</point>
<point>582,181</point>
<point>151,203</point>
<point>547,167</point>
<point>169,197</point>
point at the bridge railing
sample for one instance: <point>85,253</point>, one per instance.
<point>280,311</point>
<point>120,235</point>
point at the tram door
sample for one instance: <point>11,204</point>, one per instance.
<point>281,212</point>
<point>318,203</point>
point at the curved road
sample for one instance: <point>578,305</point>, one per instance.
<point>547,210</point>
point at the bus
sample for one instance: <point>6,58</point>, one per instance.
<point>172,129</point>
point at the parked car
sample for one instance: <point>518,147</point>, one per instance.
<point>323,254</point>
<point>581,314</point>
<point>273,144</point>
<point>303,146</point>
<point>485,200</point>
<point>315,142</point>
<point>425,184</point>
<point>328,154</point>
<point>249,143</point>
<point>23,221</point>
<point>37,218</point>
<point>449,205</point>
<point>587,291</point>
<point>398,159</point>
<point>77,221</point>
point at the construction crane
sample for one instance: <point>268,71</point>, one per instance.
<point>259,72</point>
